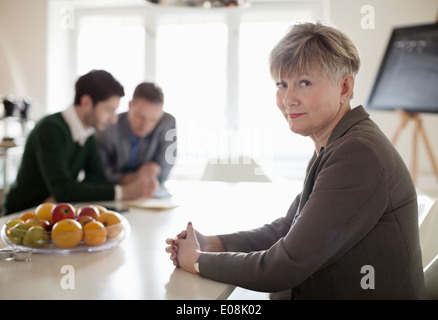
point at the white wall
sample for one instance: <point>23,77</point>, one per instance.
<point>61,71</point>
<point>23,54</point>
<point>371,43</point>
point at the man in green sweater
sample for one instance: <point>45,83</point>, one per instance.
<point>61,162</point>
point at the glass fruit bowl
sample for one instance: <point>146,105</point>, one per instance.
<point>67,235</point>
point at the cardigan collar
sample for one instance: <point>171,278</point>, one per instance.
<point>78,131</point>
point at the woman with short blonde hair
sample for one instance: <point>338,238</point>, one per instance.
<point>309,47</point>
<point>352,233</point>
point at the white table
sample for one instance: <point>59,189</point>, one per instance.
<point>139,267</point>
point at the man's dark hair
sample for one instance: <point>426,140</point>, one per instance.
<point>100,85</point>
<point>150,92</point>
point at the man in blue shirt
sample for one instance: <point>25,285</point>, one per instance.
<point>143,141</point>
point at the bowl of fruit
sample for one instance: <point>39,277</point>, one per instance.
<point>62,228</point>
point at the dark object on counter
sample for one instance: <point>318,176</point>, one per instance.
<point>10,107</point>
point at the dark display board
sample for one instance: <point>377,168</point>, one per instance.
<point>408,75</point>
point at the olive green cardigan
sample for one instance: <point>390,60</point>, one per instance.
<point>50,167</point>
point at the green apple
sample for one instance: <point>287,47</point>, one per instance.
<point>17,232</point>
<point>35,237</point>
<point>38,222</point>
<point>12,222</point>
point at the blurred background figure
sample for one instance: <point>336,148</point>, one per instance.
<point>61,161</point>
<point>143,141</point>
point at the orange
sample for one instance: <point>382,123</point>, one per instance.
<point>94,233</point>
<point>26,215</point>
<point>101,209</point>
<point>67,233</point>
<point>112,221</point>
<point>44,211</point>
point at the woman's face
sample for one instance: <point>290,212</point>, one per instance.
<point>311,103</point>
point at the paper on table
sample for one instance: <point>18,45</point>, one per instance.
<point>152,203</point>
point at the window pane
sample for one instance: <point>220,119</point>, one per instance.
<point>115,44</point>
<point>284,152</point>
<point>191,68</point>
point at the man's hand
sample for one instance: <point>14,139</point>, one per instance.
<point>149,170</point>
<point>143,187</point>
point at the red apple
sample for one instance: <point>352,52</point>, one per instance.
<point>89,210</point>
<point>63,211</point>
<point>83,219</point>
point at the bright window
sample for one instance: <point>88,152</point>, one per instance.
<point>191,68</point>
<point>115,44</point>
<point>259,118</point>
<point>213,68</point>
